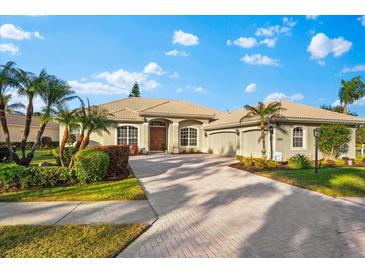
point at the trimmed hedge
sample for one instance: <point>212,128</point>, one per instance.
<point>13,176</point>
<point>91,165</point>
<point>118,155</point>
<point>258,163</point>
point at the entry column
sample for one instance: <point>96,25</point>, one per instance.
<point>175,137</point>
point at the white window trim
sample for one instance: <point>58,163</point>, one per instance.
<point>197,137</point>
<point>304,138</point>
<point>128,125</point>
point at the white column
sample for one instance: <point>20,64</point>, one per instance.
<point>175,137</point>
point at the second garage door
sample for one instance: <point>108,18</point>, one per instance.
<point>223,143</point>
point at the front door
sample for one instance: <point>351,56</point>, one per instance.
<point>157,138</point>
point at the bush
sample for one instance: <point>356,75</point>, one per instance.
<point>334,140</point>
<point>91,165</point>
<point>4,154</point>
<point>46,142</point>
<point>21,177</point>
<point>299,161</point>
<point>67,155</point>
<point>118,159</point>
<point>258,163</point>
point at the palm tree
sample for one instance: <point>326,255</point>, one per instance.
<point>7,82</point>
<point>66,118</point>
<point>28,87</point>
<point>350,92</point>
<point>98,121</point>
<point>12,108</point>
<point>54,93</point>
<point>265,114</point>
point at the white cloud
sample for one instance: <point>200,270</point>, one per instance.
<point>311,17</point>
<point>175,52</point>
<point>271,31</point>
<point>270,42</point>
<point>362,20</point>
<point>258,59</point>
<point>95,88</point>
<point>197,89</point>
<point>184,38</point>
<point>11,31</point>
<point>153,68</point>
<point>360,102</point>
<point>179,90</point>
<point>174,75</point>
<point>357,68</point>
<point>336,103</point>
<point>283,96</point>
<point>244,42</point>
<point>10,48</point>
<point>321,46</point>
<point>250,88</point>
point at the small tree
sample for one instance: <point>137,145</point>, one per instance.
<point>360,135</point>
<point>135,91</point>
<point>351,91</point>
<point>333,139</point>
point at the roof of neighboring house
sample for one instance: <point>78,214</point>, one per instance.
<point>19,120</point>
<point>135,108</point>
<point>292,112</point>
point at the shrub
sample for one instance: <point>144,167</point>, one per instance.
<point>258,163</point>
<point>4,154</point>
<point>46,142</point>
<point>340,162</point>
<point>91,165</point>
<point>299,161</point>
<point>21,177</point>
<point>272,164</point>
<point>67,155</point>
<point>118,155</point>
<point>334,140</point>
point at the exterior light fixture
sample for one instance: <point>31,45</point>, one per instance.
<point>317,134</point>
<point>237,132</point>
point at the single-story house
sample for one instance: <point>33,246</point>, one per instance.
<point>179,126</point>
<point>16,124</point>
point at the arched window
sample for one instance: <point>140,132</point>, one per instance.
<point>127,135</point>
<point>157,123</point>
<point>298,137</point>
<point>189,137</point>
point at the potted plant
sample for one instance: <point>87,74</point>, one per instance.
<point>165,148</point>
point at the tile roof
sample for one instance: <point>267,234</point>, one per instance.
<point>293,112</point>
<point>18,119</point>
<point>134,108</point>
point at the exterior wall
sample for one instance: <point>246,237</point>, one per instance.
<point>16,133</point>
<point>200,134</point>
<point>284,142</point>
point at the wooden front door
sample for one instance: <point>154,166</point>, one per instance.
<point>157,138</point>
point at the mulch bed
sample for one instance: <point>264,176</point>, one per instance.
<point>254,169</point>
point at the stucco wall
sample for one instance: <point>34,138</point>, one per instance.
<point>16,133</point>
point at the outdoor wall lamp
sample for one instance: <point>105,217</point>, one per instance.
<point>237,132</point>
<point>205,134</point>
<point>317,134</point>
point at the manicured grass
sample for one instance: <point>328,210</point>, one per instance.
<point>66,241</point>
<point>41,155</point>
<point>127,189</point>
<point>336,182</point>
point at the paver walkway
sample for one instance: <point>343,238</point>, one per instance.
<point>207,209</point>
<point>108,212</point>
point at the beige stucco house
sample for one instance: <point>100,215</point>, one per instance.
<point>16,128</point>
<point>180,126</point>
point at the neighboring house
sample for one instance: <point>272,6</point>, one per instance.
<point>180,126</point>
<point>16,128</point>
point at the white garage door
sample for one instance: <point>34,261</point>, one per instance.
<point>223,143</point>
<point>250,144</point>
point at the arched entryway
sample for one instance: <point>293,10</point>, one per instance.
<point>158,135</point>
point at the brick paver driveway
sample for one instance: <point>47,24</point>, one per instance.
<point>207,209</point>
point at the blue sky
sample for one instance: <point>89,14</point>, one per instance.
<point>218,61</point>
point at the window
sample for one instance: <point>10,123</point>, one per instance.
<point>157,123</point>
<point>298,137</point>
<point>127,135</point>
<point>189,137</point>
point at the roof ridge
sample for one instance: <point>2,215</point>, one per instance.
<point>125,108</point>
<point>159,104</point>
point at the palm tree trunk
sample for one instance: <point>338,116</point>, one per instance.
<point>345,108</point>
<point>26,161</point>
<point>28,121</point>
<point>263,136</point>
<point>63,145</point>
<point>78,143</point>
<point>85,141</point>
<point>13,156</point>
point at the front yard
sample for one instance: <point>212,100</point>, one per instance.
<point>66,241</point>
<point>336,182</point>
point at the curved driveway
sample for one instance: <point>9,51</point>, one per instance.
<point>207,209</point>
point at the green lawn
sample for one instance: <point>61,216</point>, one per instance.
<point>336,182</point>
<point>41,155</point>
<point>127,189</point>
<point>66,241</point>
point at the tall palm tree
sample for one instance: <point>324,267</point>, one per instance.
<point>54,93</point>
<point>7,82</point>
<point>99,121</point>
<point>350,92</point>
<point>28,87</point>
<point>66,118</point>
<point>13,108</point>
<point>265,115</point>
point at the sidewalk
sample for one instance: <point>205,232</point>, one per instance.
<point>105,212</point>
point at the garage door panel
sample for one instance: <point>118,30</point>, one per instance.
<point>250,144</point>
<point>223,143</point>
